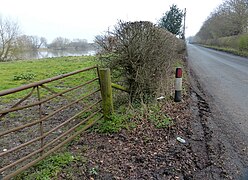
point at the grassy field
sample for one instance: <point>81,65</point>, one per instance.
<point>17,73</point>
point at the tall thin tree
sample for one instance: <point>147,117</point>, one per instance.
<point>172,20</point>
<point>9,31</point>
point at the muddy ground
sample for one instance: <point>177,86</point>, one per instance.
<point>147,152</point>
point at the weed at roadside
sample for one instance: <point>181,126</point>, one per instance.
<point>157,117</point>
<point>114,124</point>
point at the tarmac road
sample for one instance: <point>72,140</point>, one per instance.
<point>224,80</point>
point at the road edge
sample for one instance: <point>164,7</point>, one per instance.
<point>216,156</point>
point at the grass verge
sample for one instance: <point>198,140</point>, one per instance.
<point>228,50</point>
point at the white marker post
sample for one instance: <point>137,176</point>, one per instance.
<point>178,85</point>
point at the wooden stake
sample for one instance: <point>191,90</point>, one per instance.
<point>106,92</point>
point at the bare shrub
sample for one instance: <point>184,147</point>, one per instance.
<point>9,31</point>
<point>142,54</point>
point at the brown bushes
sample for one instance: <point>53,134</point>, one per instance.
<point>142,55</point>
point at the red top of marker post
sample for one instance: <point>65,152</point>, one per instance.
<point>179,73</point>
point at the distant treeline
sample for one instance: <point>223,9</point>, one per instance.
<point>227,26</point>
<point>34,42</point>
<point>13,42</point>
<point>229,19</point>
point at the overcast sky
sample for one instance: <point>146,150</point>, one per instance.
<point>85,19</point>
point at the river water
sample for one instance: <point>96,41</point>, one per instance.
<point>54,53</point>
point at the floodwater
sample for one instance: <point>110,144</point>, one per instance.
<point>54,53</point>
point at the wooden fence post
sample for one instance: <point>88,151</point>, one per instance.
<point>106,92</point>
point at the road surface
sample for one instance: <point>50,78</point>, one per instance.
<point>224,80</point>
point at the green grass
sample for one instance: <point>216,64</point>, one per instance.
<point>16,73</point>
<point>228,50</point>
<point>115,124</point>
<point>48,168</point>
<point>124,118</point>
<point>158,118</point>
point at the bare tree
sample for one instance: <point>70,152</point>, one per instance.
<point>106,42</point>
<point>43,42</point>
<point>25,42</point>
<point>9,31</point>
<point>229,19</point>
<point>37,42</point>
<point>79,44</point>
<point>60,43</point>
<point>239,14</point>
